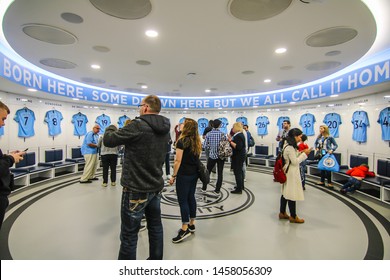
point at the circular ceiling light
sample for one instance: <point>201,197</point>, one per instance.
<point>72,18</point>
<point>151,33</point>
<point>280,50</point>
<point>331,37</point>
<point>143,62</point>
<point>49,34</point>
<point>124,9</point>
<point>250,10</point>
<point>323,65</point>
<point>58,63</point>
<point>101,48</point>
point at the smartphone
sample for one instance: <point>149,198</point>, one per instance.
<point>25,150</point>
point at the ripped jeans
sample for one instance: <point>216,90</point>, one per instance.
<point>134,206</point>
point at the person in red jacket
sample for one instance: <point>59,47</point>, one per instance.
<point>357,174</point>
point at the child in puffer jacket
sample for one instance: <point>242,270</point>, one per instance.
<point>357,174</point>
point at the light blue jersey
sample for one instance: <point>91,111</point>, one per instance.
<point>79,121</point>
<point>360,123</point>
<point>224,125</point>
<point>307,123</point>
<point>25,118</point>
<point>262,123</point>
<point>90,138</point>
<point>333,121</point>
<point>122,120</point>
<point>53,119</point>
<point>2,131</point>
<point>103,121</point>
<point>281,120</point>
<point>242,120</point>
<point>202,124</point>
<point>384,121</point>
<point>182,120</point>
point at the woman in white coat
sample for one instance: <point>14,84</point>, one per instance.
<point>292,190</point>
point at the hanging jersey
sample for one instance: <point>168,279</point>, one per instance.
<point>281,120</point>
<point>122,120</point>
<point>25,118</point>
<point>307,123</point>
<point>360,123</point>
<point>333,121</point>
<point>242,120</point>
<point>79,121</point>
<point>182,120</point>
<point>202,124</point>
<point>2,131</point>
<point>384,121</point>
<point>224,125</point>
<point>53,119</point>
<point>103,121</point>
<point>262,123</point>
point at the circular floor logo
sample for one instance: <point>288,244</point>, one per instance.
<point>209,205</point>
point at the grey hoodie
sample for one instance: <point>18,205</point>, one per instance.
<point>145,140</point>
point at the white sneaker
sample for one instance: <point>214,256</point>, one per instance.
<point>113,184</point>
<point>104,185</point>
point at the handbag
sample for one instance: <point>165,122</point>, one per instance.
<point>204,175</point>
<point>319,154</point>
<point>329,163</point>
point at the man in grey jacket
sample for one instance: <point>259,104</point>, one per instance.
<point>145,140</point>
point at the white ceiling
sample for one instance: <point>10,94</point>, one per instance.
<point>202,37</point>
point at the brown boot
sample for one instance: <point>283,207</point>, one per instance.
<point>296,220</point>
<point>283,215</point>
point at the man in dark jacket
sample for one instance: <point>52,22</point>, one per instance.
<point>145,140</point>
<point>6,161</point>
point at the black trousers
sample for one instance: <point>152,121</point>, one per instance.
<point>3,206</point>
<point>237,165</point>
<point>210,165</point>
<point>109,162</point>
<point>291,205</point>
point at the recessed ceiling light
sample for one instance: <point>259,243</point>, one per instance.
<point>267,80</point>
<point>95,66</point>
<point>75,99</point>
<point>293,102</point>
<point>280,50</point>
<point>207,90</point>
<point>144,86</point>
<point>387,96</point>
<point>334,95</point>
<point>151,33</point>
<point>115,104</point>
<point>32,89</point>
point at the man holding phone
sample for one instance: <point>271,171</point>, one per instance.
<point>6,161</point>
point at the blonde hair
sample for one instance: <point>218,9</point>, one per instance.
<point>190,136</point>
<point>237,127</point>
<point>326,131</point>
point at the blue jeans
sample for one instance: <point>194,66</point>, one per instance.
<point>134,206</point>
<point>353,184</point>
<point>185,190</point>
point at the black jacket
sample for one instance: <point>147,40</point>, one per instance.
<point>145,140</point>
<point>6,162</point>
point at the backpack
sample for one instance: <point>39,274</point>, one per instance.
<point>224,150</point>
<point>279,174</point>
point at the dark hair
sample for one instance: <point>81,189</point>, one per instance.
<point>292,133</point>
<point>304,137</point>
<point>287,121</point>
<point>153,102</point>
